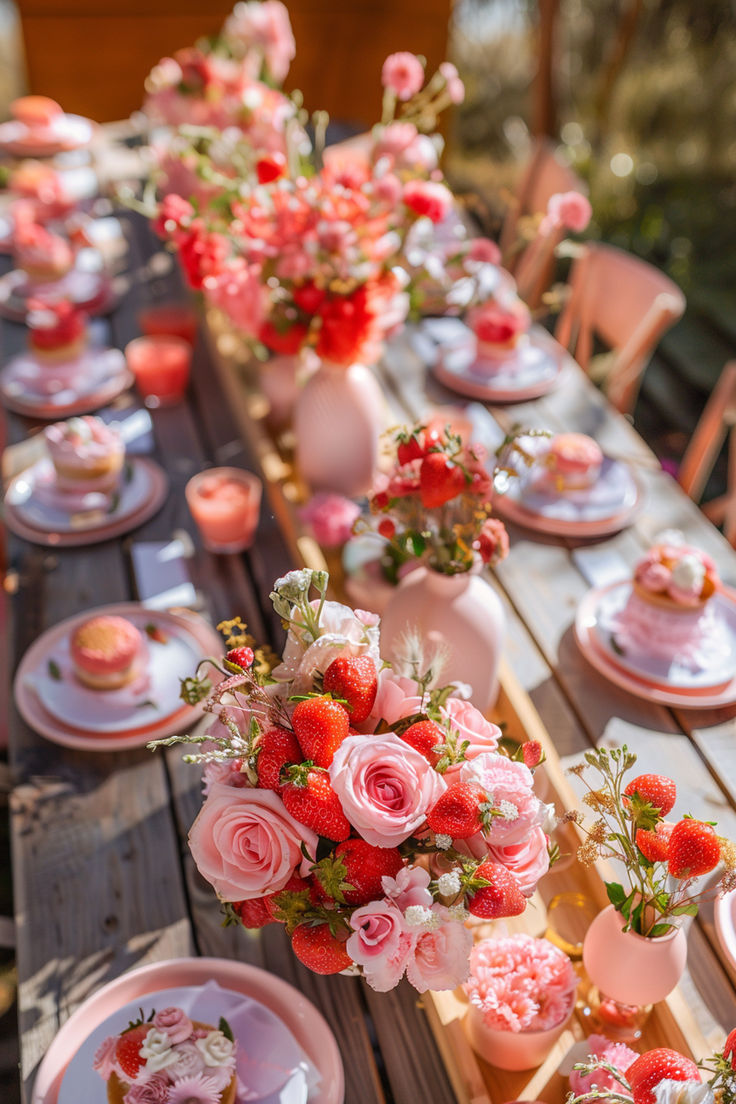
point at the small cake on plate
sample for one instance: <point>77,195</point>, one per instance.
<point>37,113</point>
<point>87,454</point>
<point>104,651</point>
<point>175,1058</point>
<point>499,326</point>
<point>667,614</point>
<point>57,331</point>
<point>43,256</point>
<point>573,462</point>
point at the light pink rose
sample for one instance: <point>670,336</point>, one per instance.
<point>409,887</point>
<point>484,251</point>
<point>175,1023</point>
<point>396,697</point>
<point>428,198</point>
<point>441,956</point>
<point>570,210</point>
<point>104,1059</point>
<point>509,786</point>
<point>470,725</point>
<point>527,859</point>
<point>402,74</point>
<point>189,1061</point>
<point>331,517</point>
<point>380,943</point>
<point>246,844</point>
<point>385,787</point>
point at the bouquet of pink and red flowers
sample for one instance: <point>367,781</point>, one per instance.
<point>361,806</point>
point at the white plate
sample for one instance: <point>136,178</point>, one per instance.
<point>86,285</point>
<point>65,132</point>
<point>257,1030</point>
<point>27,377</point>
<point>531,370</point>
<point>34,496</point>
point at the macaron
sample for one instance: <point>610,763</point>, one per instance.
<point>35,111</point>
<point>104,650</point>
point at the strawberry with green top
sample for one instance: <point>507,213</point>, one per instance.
<point>440,480</point>
<point>128,1050</point>
<point>320,725</point>
<point>461,811</point>
<point>240,657</point>
<point>494,893</point>
<point>277,748</point>
<point>365,867</point>
<point>354,679</point>
<point>426,737</point>
<point>655,790</point>
<point>694,849</point>
<point>661,1064</point>
<point>320,950</point>
<point>654,843</point>
<point>308,795</point>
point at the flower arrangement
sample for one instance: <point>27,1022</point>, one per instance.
<point>520,983</point>
<point>361,806</point>
<point>661,860</point>
<point>168,1059</point>
<point>660,1076</point>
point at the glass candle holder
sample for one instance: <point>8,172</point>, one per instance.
<point>169,319</point>
<point>161,366</point>
<point>225,504</point>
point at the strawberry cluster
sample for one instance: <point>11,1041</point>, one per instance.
<point>368,813</point>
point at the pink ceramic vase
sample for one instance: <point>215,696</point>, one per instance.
<point>278,379</point>
<point>512,1050</point>
<point>338,418</point>
<point>629,968</point>
<point>461,612</point>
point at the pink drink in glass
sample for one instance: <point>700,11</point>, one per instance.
<point>225,503</point>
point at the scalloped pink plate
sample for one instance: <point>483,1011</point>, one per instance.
<point>724,909</point>
<point>38,390</point>
<point>533,369</point>
<point>300,1016</point>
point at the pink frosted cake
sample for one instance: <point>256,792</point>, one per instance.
<point>573,462</point>
<point>43,256</point>
<point>104,651</point>
<point>57,331</point>
<point>87,454</point>
<point>499,326</point>
<point>667,615</point>
<point>170,1059</point>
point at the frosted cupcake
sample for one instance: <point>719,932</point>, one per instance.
<point>87,454</point>
<point>667,615</point>
<point>43,256</point>
<point>37,113</point>
<point>573,462</point>
<point>104,651</point>
<point>171,1059</point>
<point>57,331</point>
<point>499,327</point>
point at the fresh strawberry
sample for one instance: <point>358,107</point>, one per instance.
<point>424,737</point>
<point>461,811</point>
<point>310,798</point>
<point>270,167</point>
<point>156,633</point>
<point>729,1048</point>
<point>654,844</point>
<point>661,1064</point>
<point>440,480</point>
<point>387,528</point>
<point>254,913</point>
<point>501,898</point>
<point>297,888</point>
<point>365,866</point>
<point>128,1050</point>
<point>694,849</point>
<point>241,657</point>
<point>410,448</point>
<point>277,748</point>
<point>354,679</point>
<point>321,725</point>
<point>654,789</point>
<point>319,949</point>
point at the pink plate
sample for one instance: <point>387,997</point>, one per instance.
<point>53,391</point>
<point>67,132</point>
<point>87,286</point>
<point>724,909</point>
<point>305,1022</point>
<point>643,687</point>
<point>203,638</point>
<point>532,370</point>
<point>93,529</point>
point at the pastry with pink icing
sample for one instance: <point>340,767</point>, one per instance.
<point>37,113</point>
<point>499,326</point>
<point>170,1059</point>
<point>87,454</point>
<point>573,462</point>
<point>43,256</point>
<point>57,331</point>
<point>667,614</point>
<point>104,651</point>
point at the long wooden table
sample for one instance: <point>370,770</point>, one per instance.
<point>103,877</point>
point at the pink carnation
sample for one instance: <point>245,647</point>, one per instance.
<point>104,1059</point>
<point>154,1091</point>
<point>440,956</point>
<point>428,199</point>
<point>570,210</point>
<point>511,785</point>
<point>331,517</point>
<point>238,292</point>
<point>402,74</point>
<point>617,1055</point>
<point>520,983</point>
<point>380,943</point>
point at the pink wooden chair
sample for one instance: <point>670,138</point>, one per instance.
<point>628,304</point>
<point>716,422</point>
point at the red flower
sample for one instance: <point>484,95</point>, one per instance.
<point>174,213</point>
<point>196,69</point>
<point>309,298</point>
<point>202,253</point>
<point>428,198</point>
<point>348,327</point>
<point>493,541</point>
<point>287,341</point>
<point>271,166</point>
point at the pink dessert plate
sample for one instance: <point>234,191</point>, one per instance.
<point>608,506</point>
<point>596,625</point>
<point>37,512</point>
<point>52,391</point>
<point>305,1023</point>
<point>531,370</point>
<point>87,285</point>
<point>58,707</point>
<point>724,909</point>
<point>66,132</point>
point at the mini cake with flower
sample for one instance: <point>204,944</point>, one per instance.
<point>668,614</point>
<point>170,1059</point>
<point>86,453</point>
<point>572,462</point>
<point>43,256</point>
<point>57,331</point>
<point>499,327</point>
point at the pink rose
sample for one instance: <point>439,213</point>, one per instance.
<point>441,955</point>
<point>331,517</point>
<point>493,541</point>
<point>470,725</point>
<point>385,787</point>
<point>509,786</point>
<point>189,1061</point>
<point>380,943</point>
<point>402,74</point>
<point>484,251</point>
<point>527,860</point>
<point>104,1059</point>
<point>428,198</point>
<point>570,210</point>
<point>175,1023</point>
<point>409,887</point>
<point>388,189</point>
<point>153,1091</point>
<point>245,843</point>
<point>396,697</point>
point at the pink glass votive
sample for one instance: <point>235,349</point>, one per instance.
<point>225,503</point>
<point>170,319</point>
<point>161,367</point>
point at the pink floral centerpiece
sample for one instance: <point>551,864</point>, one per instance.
<point>519,987</point>
<point>368,811</point>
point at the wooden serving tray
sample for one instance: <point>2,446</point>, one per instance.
<point>671,1022</point>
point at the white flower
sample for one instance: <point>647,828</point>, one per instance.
<point>449,884</point>
<point>417,916</point>
<point>157,1050</point>
<point>341,632</point>
<point>216,1049</point>
<point>683,1092</point>
<point>442,842</point>
<point>689,573</point>
<point>508,810</point>
<point>550,821</point>
<point>458,913</point>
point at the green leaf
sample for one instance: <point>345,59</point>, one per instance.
<point>114,503</point>
<point>226,1029</point>
<point>54,670</point>
<point>418,544</point>
<point>616,894</point>
<point>690,909</point>
<point>147,702</point>
<point>616,646</point>
<point>659,929</point>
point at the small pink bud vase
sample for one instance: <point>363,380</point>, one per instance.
<point>339,416</point>
<point>512,1050</point>
<point>460,612</point>
<point>628,969</point>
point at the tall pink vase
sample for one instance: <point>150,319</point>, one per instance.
<point>461,612</point>
<point>338,418</point>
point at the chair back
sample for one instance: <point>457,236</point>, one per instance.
<point>543,176</point>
